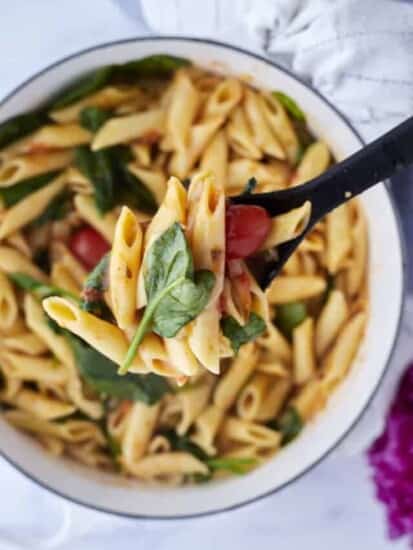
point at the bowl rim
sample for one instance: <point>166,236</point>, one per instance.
<point>402,243</point>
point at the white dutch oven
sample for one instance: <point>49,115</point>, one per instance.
<point>107,493</point>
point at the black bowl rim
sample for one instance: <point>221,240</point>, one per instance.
<point>270,492</point>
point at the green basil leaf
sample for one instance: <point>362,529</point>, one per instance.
<point>183,304</point>
<point>237,466</point>
<point>57,209</point>
<point>289,424</point>
<point>175,295</point>
<point>97,167</point>
<point>289,316</point>
<point>87,85</point>
<point>134,193</point>
<point>20,126</point>
<point>153,66</point>
<point>305,138</point>
<point>101,374</point>
<point>93,118</point>
<point>41,290</point>
<point>17,192</point>
<point>238,334</point>
<point>290,105</point>
<point>94,287</point>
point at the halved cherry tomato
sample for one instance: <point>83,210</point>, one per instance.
<point>88,246</point>
<point>247,227</point>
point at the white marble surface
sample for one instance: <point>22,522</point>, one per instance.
<point>331,507</point>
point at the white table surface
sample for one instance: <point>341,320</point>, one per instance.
<point>331,507</point>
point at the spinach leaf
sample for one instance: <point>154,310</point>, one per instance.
<point>112,181</point>
<point>101,374</point>
<point>97,166</point>
<point>289,424</point>
<point>250,186</point>
<point>289,316</point>
<point>234,465</point>
<point>161,65</point>
<point>56,209</point>
<point>175,295</point>
<point>17,192</point>
<point>94,287</point>
<point>238,334</point>
<point>290,105</point>
<point>93,118</point>
<point>304,136</point>
<point>20,126</point>
<point>39,289</point>
<point>90,84</point>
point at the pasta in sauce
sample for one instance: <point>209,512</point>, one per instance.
<point>128,174</point>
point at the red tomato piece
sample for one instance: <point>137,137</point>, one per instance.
<point>247,227</point>
<point>88,246</point>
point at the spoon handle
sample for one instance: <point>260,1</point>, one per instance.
<point>376,162</point>
<point>379,160</point>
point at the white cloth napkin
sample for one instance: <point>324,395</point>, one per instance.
<point>358,53</point>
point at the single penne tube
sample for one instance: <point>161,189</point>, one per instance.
<point>274,175</point>
<point>12,261</point>
<point>264,138</point>
<point>240,136</point>
<point>293,266</point>
<point>286,289</point>
<point>310,399</point>
<point>159,444</point>
<point>107,98</point>
<point>33,369</point>
<point>138,433</point>
<point>57,136</point>
<point>273,368</point>
<point>338,237</point>
<point>105,225</point>
<point>124,266</point>
<point>275,345</point>
<point>227,94</point>
<point>315,161</point>
<point>343,351</point>
<point>330,321</point>
<point>230,383</point>
<point>246,432</point>
<point>215,157</point>
<point>137,126</point>
<point>154,357</point>
<point>200,135</point>
<point>105,337</point>
<point>182,108</point>
<point>9,309</point>
<point>251,398</point>
<point>164,465</point>
<point>281,125</point>
<point>206,428</point>
<point>288,226</point>
<point>355,274</point>
<point>29,208</point>
<point>27,343</point>
<point>304,364</point>
<point>28,166</point>
<point>19,241</point>
<point>274,400</point>
<point>181,356</point>
<point>155,180</point>
<point>193,402</point>
<point>42,406</point>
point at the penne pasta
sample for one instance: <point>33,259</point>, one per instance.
<point>303,352</point>
<point>215,158</point>
<point>9,309</point>
<point>288,226</point>
<point>286,289</point>
<point>315,161</point>
<point>330,321</point>
<point>105,225</point>
<point>338,238</point>
<point>24,167</point>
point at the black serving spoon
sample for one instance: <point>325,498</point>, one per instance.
<point>376,162</point>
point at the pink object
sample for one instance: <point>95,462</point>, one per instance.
<point>391,457</point>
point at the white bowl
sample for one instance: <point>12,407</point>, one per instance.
<point>107,493</point>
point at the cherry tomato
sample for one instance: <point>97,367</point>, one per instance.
<point>247,227</point>
<point>88,246</point>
